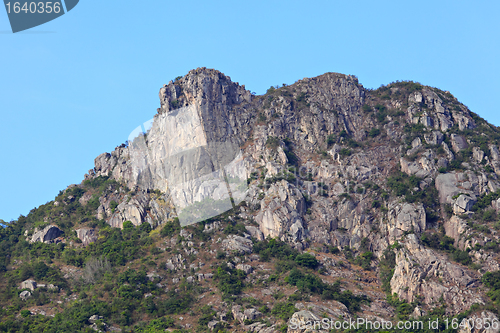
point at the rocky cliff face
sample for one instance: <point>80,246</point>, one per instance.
<point>323,162</point>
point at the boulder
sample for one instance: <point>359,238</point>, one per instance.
<point>28,284</point>
<point>213,324</point>
<point>255,232</point>
<point>434,138</point>
<point>133,210</point>
<point>303,321</point>
<point>24,295</point>
<point>47,235</point>
<point>86,235</point>
<point>484,316</point>
<point>237,244</point>
<point>95,318</point>
<point>463,204</point>
<point>52,287</point>
<point>458,143</point>
<point>478,154</point>
<point>85,198</point>
<point>405,217</point>
<point>446,184</point>
<point>251,314</point>
<point>245,268</point>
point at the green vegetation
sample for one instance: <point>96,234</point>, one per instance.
<point>492,281</point>
<point>409,187</point>
<point>387,265</point>
<point>364,260</point>
<point>374,132</point>
<point>284,310</point>
<point>440,241</point>
<point>272,142</point>
<point>330,140</point>
<point>229,281</point>
<point>345,152</point>
<point>274,248</point>
<point>313,284</point>
<point>306,260</point>
<point>485,200</point>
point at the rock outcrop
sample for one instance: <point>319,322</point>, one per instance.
<point>48,235</point>
<point>419,271</point>
<point>86,235</point>
<point>28,284</point>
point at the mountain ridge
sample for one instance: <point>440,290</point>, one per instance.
<point>396,187</point>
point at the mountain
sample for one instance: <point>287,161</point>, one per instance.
<point>229,211</point>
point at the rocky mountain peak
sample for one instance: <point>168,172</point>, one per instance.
<point>202,86</point>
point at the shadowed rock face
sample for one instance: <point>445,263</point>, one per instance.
<point>47,235</point>
<point>311,163</point>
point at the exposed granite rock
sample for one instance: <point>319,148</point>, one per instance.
<point>211,134</point>
<point>245,268</point>
<point>463,204</point>
<point>47,235</point>
<point>434,138</point>
<point>404,218</point>
<point>28,284</point>
<point>255,232</point>
<point>478,154</point>
<point>303,322</point>
<point>238,244</point>
<point>133,211</point>
<point>86,235</point>
<point>483,317</point>
<point>24,295</point>
<point>85,198</point>
<point>455,183</point>
<point>419,271</point>
<point>458,143</point>
<point>281,212</point>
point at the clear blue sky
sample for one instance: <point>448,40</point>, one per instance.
<point>76,87</point>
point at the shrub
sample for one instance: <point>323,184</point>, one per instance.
<point>301,97</point>
<point>274,248</point>
<point>25,313</point>
<point>284,310</point>
<point>445,243</point>
<point>95,269</point>
<point>220,254</point>
<point>345,152</point>
<point>230,281</point>
<point>330,140</point>
<point>387,265</point>
<point>272,142</point>
<point>170,228</point>
<point>367,108</point>
<point>364,260</point>
<point>127,225</point>
<point>485,200</point>
<point>333,249</point>
<point>113,204</point>
<point>40,270</point>
<point>373,132</point>
<point>306,260</point>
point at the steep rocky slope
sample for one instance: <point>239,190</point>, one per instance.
<point>403,180</point>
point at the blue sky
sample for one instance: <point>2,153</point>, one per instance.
<point>76,87</point>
